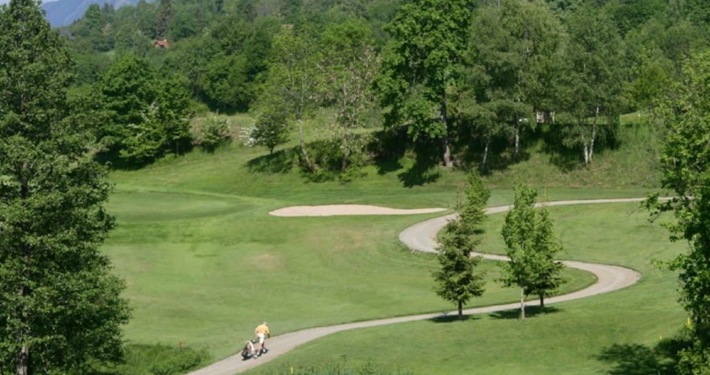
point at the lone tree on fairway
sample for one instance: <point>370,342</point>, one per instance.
<point>457,279</point>
<point>60,308</point>
<point>531,247</point>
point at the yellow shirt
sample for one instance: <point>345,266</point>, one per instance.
<point>262,329</point>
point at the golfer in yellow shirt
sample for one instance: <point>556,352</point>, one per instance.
<point>262,332</point>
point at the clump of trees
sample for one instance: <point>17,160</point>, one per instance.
<point>531,246</point>
<point>474,83</point>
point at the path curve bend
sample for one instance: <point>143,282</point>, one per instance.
<point>422,237</point>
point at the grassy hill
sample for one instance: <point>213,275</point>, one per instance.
<point>204,261</point>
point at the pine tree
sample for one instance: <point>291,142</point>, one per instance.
<point>61,307</point>
<point>457,279</point>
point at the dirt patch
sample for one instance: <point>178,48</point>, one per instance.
<point>267,262</point>
<point>348,209</point>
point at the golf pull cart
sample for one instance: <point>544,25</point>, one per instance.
<point>250,350</point>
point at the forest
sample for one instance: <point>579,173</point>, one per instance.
<point>467,83</point>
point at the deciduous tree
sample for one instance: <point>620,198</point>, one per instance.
<point>422,61</point>
<point>685,162</point>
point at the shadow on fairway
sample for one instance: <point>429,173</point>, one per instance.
<point>453,318</point>
<point>279,162</point>
<point>530,312</point>
<point>637,359</point>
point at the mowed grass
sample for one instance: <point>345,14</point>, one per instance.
<point>205,263</point>
<point>567,340</point>
<point>208,280</point>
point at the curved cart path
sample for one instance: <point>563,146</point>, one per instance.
<point>422,237</point>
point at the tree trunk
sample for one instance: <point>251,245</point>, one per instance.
<point>522,303</point>
<point>517,138</point>
<point>460,310</point>
<point>586,154</point>
<point>485,151</point>
<point>445,140</point>
<point>23,361</point>
<point>346,152</point>
<point>447,152</point>
<point>303,147</point>
<point>23,357</point>
<point>542,302</point>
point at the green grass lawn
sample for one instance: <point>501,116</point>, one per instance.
<point>568,340</point>
<point>204,262</point>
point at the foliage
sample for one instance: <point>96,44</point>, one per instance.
<point>590,82</point>
<point>271,128</point>
<point>684,162</point>
<point>213,132</point>
<point>349,65</point>
<point>422,61</point>
<point>148,115</point>
<point>473,209</point>
<point>61,306</point>
<point>458,280</point>
<point>531,247</point>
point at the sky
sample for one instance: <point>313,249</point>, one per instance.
<point>44,1</point>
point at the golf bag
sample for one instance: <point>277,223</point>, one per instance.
<point>250,350</point>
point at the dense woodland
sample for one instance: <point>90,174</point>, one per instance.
<point>470,82</point>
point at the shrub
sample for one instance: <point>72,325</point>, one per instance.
<point>214,132</point>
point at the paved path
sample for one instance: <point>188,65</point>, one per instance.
<point>422,237</point>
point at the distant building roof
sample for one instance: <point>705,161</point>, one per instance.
<point>161,43</point>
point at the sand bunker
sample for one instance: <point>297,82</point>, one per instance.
<point>348,209</point>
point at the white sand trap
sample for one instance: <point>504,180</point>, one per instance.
<point>348,209</point>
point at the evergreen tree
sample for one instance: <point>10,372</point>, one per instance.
<point>61,307</point>
<point>458,280</point>
<point>473,211</point>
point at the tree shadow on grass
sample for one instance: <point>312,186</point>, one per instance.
<point>453,318</point>
<point>428,156</point>
<point>637,359</point>
<point>279,162</point>
<point>530,312</point>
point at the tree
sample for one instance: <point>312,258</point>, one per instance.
<point>421,63</point>
<point>548,269</point>
<point>519,233</point>
<point>473,210</point>
<point>591,81</point>
<point>271,128</point>
<point>61,306</point>
<point>685,163</point>
<point>349,66</point>
<point>149,116</point>
<point>294,79</point>
<point>513,48</point>
<point>457,279</point>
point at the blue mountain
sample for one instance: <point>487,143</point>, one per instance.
<point>64,12</point>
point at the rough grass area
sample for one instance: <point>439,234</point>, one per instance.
<point>589,336</point>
